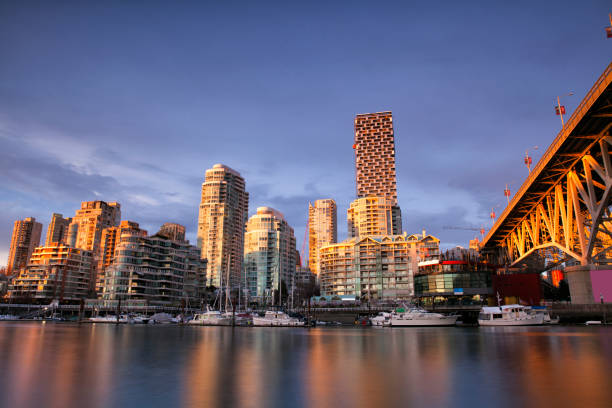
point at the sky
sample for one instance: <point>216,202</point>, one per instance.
<point>133,101</point>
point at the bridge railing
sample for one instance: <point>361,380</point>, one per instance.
<point>596,90</point>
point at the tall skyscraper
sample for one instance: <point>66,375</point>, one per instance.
<point>370,216</point>
<point>26,237</point>
<point>269,254</point>
<point>322,229</point>
<point>85,231</point>
<point>175,232</point>
<point>58,229</point>
<point>375,160</point>
<point>91,219</point>
<point>223,213</point>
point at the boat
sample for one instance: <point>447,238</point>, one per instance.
<point>420,317</point>
<point>276,319</point>
<point>103,319</point>
<point>509,315</point>
<point>161,318</point>
<point>210,318</point>
<point>9,317</point>
<point>382,319</point>
<point>543,311</point>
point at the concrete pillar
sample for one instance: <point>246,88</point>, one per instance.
<point>579,281</point>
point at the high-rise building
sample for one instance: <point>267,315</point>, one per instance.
<point>269,254</point>
<point>58,229</point>
<point>91,220</point>
<point>26,236</point>
<point>155,270</point>
<point>375,160</point>
<point>108,243</point>
<point>55,271</point>
<point>223,213</point>
<point>175,232</point>
<point>322,229</point>
<point>85,230</point>
<point>370,216</point>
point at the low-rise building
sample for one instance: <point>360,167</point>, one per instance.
<point>372,267</point>
<point>459,274</point>
<point>55,271</point>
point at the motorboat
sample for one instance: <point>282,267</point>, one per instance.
<point>104,319</point>
<point>509,315</point>
<point>9,317</point>
<point>210,318</point>
<point>420,317</point>
<point>382,319</point>
<point>547,317</point>
<point>276,319</point>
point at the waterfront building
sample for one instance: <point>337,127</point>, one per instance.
<point>154,270</point>
<point>89,222</point>
<point>322,229</point>
<point>26,236</point>
<point>54,271</point>
<point>458,275</point>
<point>374,147</point>
<point>57,233</point>
<point>269,254</point>
<point>222,216</point>
<point>175,232</point>
<point>108,244</point>
<point>370,216</point>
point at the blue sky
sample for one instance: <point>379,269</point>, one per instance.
<point>133,101</point>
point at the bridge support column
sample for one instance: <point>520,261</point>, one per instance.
<point>589,283</point>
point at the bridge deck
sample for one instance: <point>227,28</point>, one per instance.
<point>579,134</point>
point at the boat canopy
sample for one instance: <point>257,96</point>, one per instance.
<point>491,309</point>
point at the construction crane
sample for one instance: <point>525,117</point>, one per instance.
<point>481,229</point>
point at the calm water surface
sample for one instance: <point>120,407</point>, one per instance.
<point>65,365</point>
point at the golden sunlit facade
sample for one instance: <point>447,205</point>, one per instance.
<point>374,147</point>
<point>58,229</point>
<point>223,213</point>
<point>322,229</point>
<point>91,220</point>
<point>56,271</point>
<point>370,216</point>
<point>25,237</point>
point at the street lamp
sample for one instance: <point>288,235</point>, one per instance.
<point>560,109</point>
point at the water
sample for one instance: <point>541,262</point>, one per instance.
<point>66,365</point>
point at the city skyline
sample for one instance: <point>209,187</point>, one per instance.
<point>75,133</point>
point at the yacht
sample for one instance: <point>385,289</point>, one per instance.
<point>420,317</point>
<point>509,315</point>
<point>276,319</point>
<point>383,319</point>
<point>210,318</point>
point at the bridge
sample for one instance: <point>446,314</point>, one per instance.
<point>564,204</point>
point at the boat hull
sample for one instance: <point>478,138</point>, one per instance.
<point>535,321</point>
<point>263,322</point>
<point>443,321</point>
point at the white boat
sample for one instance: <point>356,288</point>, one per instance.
<point>509,315</point>
<point>9,317</point>
<point>276,319</point>
<point>382,319</point>
<point>544,312</point>
<point>420,317</point>
<point>210,318</point>
<point>103,319</point>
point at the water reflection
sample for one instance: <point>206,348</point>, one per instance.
<point>62,365</point>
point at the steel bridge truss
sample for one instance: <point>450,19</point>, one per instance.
<point>574,216</point>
